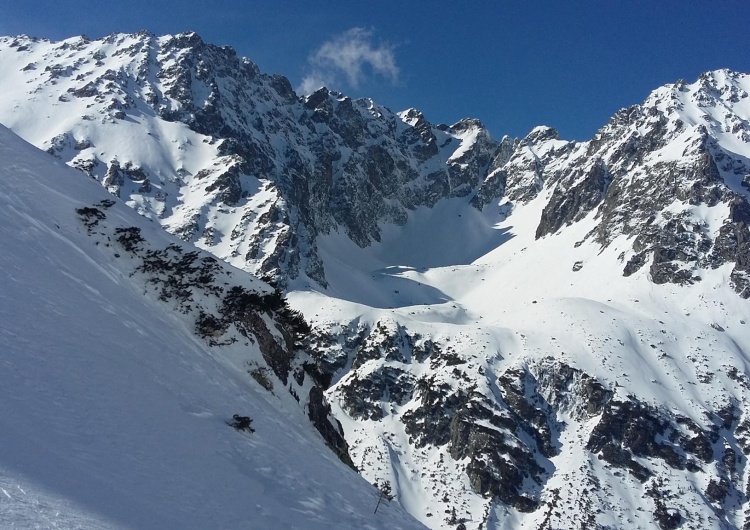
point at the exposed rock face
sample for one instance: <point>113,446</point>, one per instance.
<point>496,465</point>
<point>644,174</point>
<point>327,161</point>
<point>496,180</point>
<point>570,390</point>
<point>534,161</point>
<point>320,415</point>
<point>363,398</point>
<point>629,429</point>
<point>242,318</point>
<point>504,445</point>
<point>504,432</point>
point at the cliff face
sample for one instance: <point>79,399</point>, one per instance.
<point>206,131</point>
<point>241,320</point>
<point>190,133</point>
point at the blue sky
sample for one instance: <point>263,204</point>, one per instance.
<point>514,65</point>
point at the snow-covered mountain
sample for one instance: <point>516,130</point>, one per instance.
<point>524,333</point>
<point>125,355</point>
<point>196,137</point>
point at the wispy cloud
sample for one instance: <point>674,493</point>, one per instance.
<point>346,58</point>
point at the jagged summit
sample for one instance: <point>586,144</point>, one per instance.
<point>528,333</point>
<point>243,130</point>
<point>233,129</point>
<point>541,133</point>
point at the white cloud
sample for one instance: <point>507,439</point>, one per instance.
<point>343,59</point>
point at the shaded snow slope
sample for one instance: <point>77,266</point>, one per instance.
<point>114,413</point>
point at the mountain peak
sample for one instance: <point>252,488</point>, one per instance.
<point>541,133</point>
<point>466,124</point>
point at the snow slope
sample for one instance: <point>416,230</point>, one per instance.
<point>460,310</point>
<point>678,348</point>
<point>114,413</point>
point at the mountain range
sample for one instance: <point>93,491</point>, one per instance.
<point>514,333</point>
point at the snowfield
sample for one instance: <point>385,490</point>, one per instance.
<point>518,305</point>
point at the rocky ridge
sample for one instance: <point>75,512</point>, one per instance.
<point>326,161</point>
<point>457,420</point>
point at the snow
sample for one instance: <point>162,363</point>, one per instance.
<point>468,138</point>
<point>486,286</point>
<point>85,389</point>
<point>114,412</point>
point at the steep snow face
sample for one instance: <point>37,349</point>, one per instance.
<point>115,411</point>
<point>196,137</point>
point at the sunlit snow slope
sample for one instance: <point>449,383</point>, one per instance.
<point>113,412</point>
<point>576,351</point>
<point>434,340</point>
